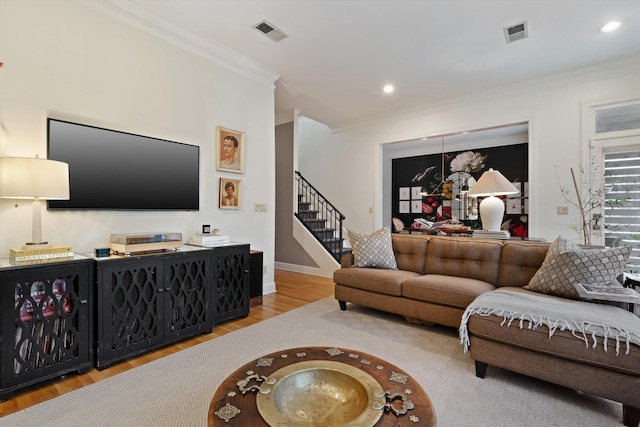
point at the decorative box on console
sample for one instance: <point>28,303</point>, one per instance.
<point>143,242</point>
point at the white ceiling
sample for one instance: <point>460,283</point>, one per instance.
<point>340,53</point>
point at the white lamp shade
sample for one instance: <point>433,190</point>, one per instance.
<point>492,183</point>
<point>30,178</point>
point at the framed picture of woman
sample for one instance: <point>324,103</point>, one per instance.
<point>229,150</point>
<point>229,194</point>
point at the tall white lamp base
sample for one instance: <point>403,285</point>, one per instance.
<point>491,213</point>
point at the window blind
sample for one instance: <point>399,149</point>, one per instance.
<point>622,203</point>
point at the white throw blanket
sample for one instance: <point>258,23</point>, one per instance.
<point>584,319</point>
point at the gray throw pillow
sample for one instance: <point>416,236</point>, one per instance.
<point>373,250</point>
<point>567,264</point>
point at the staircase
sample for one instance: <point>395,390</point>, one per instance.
<point>321,218</point>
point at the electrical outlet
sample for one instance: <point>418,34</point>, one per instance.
<point>562,210</point>
<point>264,269</point>
<point>260,207</point>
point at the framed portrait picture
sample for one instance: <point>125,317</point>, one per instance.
<point>229,194</point>
<point>229,150</point>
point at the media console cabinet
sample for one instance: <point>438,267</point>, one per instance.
<point>63,317</point>
<point>46,322</point>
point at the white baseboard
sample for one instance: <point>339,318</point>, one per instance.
<point>304,269</point>
<point>268,288</point>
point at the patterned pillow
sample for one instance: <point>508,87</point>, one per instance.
<point>373,250</point>
<point>566,263</point>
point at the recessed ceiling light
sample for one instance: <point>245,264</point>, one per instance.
<point>388,88</point>
<point>610,26</point>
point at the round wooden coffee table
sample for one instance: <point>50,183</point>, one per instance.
<point>230,407</point>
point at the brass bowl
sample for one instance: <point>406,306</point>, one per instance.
<point>321,394</point>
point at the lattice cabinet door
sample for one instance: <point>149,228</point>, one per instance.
<point>47,328</point>
<point>231,282</point>
<point>130,305</point>
<point>186,295</point>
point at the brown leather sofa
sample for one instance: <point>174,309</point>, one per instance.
<point>439,276</point>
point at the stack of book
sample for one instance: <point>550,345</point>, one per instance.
<point>209,240</point>
<point>491,234</point>
<point>607,292</point>
<point>19,256</point>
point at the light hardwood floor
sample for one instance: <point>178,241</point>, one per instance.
<point>293,290</point>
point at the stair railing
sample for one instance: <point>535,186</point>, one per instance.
<point>308,195</point>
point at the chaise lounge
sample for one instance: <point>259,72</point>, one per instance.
<point>510,313</point>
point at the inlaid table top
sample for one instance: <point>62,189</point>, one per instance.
<point>231,407</point>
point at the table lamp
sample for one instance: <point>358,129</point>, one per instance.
<point>34,179</point>
<point>492,183</point>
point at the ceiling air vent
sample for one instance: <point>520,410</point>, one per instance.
<point>516,32</point>
<point>270,31</point>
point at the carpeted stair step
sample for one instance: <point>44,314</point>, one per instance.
<point>304,206</point>
<point>307,215</point>
<point>316,224</point>
<point>324,234</point>
<point>336,244</point>
<point>345,251</point>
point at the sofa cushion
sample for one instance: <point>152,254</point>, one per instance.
<point>410,251</point>
<point>373,250</point>
<point>567,264</point>
<point>464,257</point>
<point>373,279</point>
<point>444,290</point>
<point>563,343</point>
<point>519,261</point>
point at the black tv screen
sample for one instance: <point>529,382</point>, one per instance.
<point>114,170</point>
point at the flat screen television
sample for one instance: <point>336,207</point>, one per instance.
<point>112,170</point>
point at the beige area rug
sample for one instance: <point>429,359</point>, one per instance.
<point>176,390</point>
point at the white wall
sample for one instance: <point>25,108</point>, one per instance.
<point>68,60</point>
<point>348,165</point>
<point>342,167</point>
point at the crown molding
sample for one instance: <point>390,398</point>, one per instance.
<point>604,70</point>
<point>132,14</point>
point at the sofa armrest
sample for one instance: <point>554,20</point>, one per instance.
<point>346,261</point>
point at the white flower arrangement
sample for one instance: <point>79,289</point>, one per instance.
<point>468,161</point>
